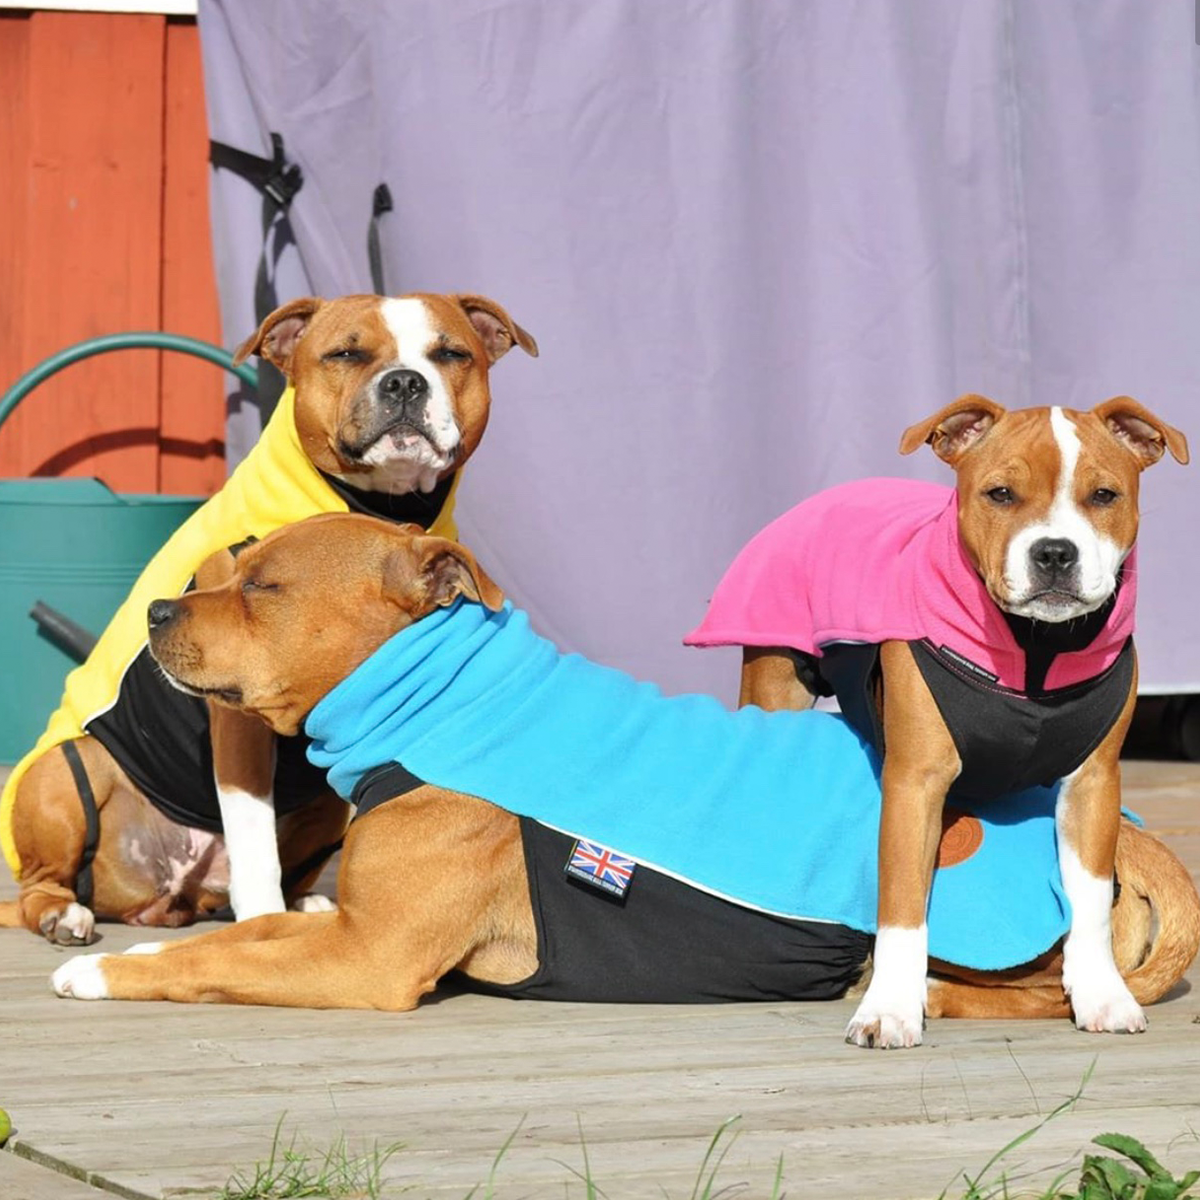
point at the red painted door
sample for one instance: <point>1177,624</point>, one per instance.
<point>104,229</point>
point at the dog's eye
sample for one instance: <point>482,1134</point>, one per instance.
<point>1001,495</point>
<point>1103,497</point>
<point>257,585</point>
<point>346,354</point>
<point>445,354</point>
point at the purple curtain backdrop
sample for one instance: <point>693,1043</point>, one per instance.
<point>755,241</point>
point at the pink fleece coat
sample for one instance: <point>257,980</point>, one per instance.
<point>881,560</point>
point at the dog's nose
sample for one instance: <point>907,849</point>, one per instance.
<point>396,387</point>
<point>1054,554</point>
<point>161,612</point>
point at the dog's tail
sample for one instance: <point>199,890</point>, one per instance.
<point>1163,914</point>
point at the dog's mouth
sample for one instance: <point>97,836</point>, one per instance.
<point>403,456</point>
<point>403,439</point>
<point>228,695</point>
<point>1053,604</point>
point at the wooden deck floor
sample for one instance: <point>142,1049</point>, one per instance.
<point>169,1100</point>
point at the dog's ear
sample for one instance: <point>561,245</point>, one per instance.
<point>278,336</point>
<point>953,430</point>
<point>496,329</point>
<point>1140,431</point>
<point>432,572</point>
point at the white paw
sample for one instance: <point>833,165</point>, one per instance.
<point>313,902</point>
<point>1108,1010</point>
<point>74,926</point>
<point>81,978</point>
<point>892,1013</point>
<point>891,1029</point>
<point>146,948</point>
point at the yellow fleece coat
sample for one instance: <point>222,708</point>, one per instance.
<point>274,485</point>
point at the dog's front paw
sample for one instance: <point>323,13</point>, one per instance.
<point>1100,998</point>
<point>313,902</point>
<point>897,1027</point>
<point>72,925</point>
<point>1108,1010</point>
<point>81,978</point>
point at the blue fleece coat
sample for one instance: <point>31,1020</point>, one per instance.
<point>774,811</point>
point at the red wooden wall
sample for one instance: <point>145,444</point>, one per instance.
<point>104,228</point>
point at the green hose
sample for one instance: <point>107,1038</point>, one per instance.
<point>120,341</point>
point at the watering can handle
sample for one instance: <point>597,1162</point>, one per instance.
<point>150,340</point>
<point>62,631</point>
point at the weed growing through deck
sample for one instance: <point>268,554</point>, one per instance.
<point>1101,1177</point>
<point>337,1174</point>
<point>294,1171</point>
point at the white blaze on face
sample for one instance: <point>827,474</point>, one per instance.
<point>405,461</point>
<point>1099,556</point>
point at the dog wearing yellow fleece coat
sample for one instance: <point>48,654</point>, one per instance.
<point>146,805</point>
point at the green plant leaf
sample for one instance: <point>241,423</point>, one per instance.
<point>1107,1177</point>
<point>1162,1189</point>
<point>1135,1151</point>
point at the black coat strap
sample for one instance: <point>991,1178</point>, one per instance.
<point>85,887</point>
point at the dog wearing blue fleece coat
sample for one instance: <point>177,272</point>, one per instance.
<point>552,828</point>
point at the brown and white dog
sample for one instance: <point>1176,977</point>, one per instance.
<point>389,397</point>
<point>1047,514</point>
<point>432,880</point>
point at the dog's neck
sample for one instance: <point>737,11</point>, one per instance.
<point>1043,640</point>
<point>415,508</point>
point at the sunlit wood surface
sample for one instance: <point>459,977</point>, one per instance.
<point>162,1100</point>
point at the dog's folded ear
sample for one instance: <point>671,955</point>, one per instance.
<point>953,430</point>
<point>1140,431</point>
<point>431,572</point>
<point>277,337</point>
<point>496,329</point>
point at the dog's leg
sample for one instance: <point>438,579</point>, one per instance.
<point>304,836</point>
<point>244,771</point>
<point>776,679</point>
<point>324,965</point>
<point>49,830</point>
<point>259,929</point>
<point>428,882</point>
<point>920,763</point>
<point>1088,817</point>
<point>949,998</point>
<point>244,766</point>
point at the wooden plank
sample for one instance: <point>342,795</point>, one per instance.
<point>192,446</point>
<point>24,1180</point>
<point>94,238</point>
<point>167,1097</point>
<point>14,171</point>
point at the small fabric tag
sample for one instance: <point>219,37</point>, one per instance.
<point>967,664</point>
<point>600,867</point>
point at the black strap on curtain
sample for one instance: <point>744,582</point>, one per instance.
<point>381,203</point>
<point>278,181</point>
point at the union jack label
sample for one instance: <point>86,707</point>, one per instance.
<point>600,867</point>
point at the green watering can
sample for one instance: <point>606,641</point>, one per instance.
<point>70,550</point>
